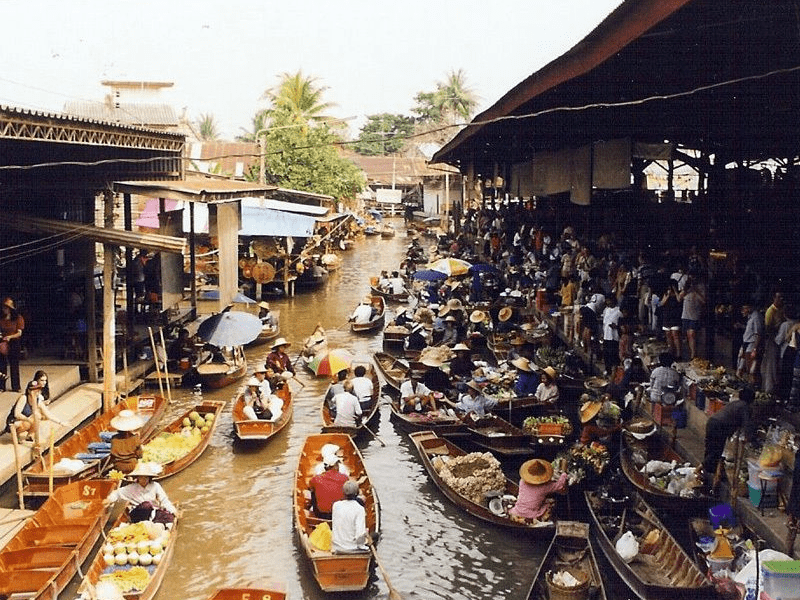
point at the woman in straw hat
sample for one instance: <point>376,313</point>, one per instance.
<point>147,498</point>
<point>126,445</point>
<point>461,366</point>
<point>277,360</point>
<point>527,379</point>
<point>504,323</point>
<point>474,401</point>
<point>535,485</point>
<point>547,391</point>
<point>268,320</point>
<point>596,425</point>
<point>434,378</point>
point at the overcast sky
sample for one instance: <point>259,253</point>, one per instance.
<point>373,55</point>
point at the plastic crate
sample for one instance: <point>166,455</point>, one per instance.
<point>781,579</point>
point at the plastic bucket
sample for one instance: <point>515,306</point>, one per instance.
<point>718,564</point>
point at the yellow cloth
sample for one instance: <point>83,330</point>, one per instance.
<point>321,537</point>
<point>723,549</point>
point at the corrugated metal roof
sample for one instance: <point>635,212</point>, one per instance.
<point>306,209</point>
<point>196,189</point>
<point>381,169</point>
<point>124,112</point>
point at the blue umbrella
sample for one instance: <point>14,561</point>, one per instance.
<point>378,216</point>
<point>230,328</point>
<point>239,298</point>
<point>429,275</point>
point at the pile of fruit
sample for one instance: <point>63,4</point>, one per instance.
<point>168,447</point>
<point>137,544</point>
<point>531,424</point>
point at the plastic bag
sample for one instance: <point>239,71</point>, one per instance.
<point>627,547</point>
<point>770,456</point>
<point>321,537</point>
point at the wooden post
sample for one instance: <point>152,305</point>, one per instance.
<point>166,369</point>
<point>155,359</point>
<point>109,311</point>
<point>17,464</point>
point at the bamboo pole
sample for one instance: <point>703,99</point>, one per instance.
<point>166,368</point>
<point>155,359</point>
<point>18,466</point>
<point>737,464</point>
<point>125,371</point>
<point>50,475</point>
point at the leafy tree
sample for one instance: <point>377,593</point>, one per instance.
<point>452,102</point>
<point>304,157</point>
<point>299,97</point>
<point>384,133</point>
<point>207,128</point>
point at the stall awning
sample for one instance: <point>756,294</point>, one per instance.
<point>258,221</point>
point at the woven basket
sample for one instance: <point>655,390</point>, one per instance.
<point>579,592</point>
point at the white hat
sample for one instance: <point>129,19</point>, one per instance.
<point>127,420</point>
<point>280,342</point>
<point>460,346</point>
<point>253,382</point>
<point>329,460</point>
<point>329,449</point>
<point>264,305</point>
<point>431,361</point>
<point>146,469</point>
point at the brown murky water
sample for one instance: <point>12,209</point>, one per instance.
<point>237,521</point>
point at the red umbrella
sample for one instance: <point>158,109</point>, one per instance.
<point>331,362</point>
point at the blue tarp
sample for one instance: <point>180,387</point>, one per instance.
<point>258,221</point>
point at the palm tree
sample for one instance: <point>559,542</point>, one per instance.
<point>207,127</point>
<point>299,97</point>
<point>454,98</point>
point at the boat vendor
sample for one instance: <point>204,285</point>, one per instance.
<point>418,337</point>
<point>22,417</point>
<point>348,408</point>
<point>473,401</point>
<point>735,415</point>
<point>535,484</point>
<point>260,373</point>
<point>396,283</point>
<point>326,488</point>
<point>336,387</point>
<point>147,499</point>
<point>434,378</point>
<point>126,445</point>
<point>363,387</point>
<point>255,403</point>
<point>504,323</point>
<point>547,390</point>
<point>402,317</point>
<point>461,366</point>
<point>597,425</point>
<point>268,320</point>
<point>363,312</point>
<point>527,379</point>
<point>349,522</point>
<point>415,396</point>
<point>278,360</point>
<point>450,333</point>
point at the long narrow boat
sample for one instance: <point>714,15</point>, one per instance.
<point>333,572</point>
<point>498,435</point>
<point>570,551</point>
<point>180,456</point>
<point>438,421</point>
<point>249,593</point>
<point>655,447</point>
<point>44,555</point>
<point>389,296</point>
<point>149,576</point>
<point>36,476</point>
<point>369,411</point>
<point>216,375</point>
<point>268,332</point>
<point>434,451</point>
<point>376,322</point>
<point>665,570</point>
<point>394,370</point>
<point>395,334</point>
<point>248,429</point>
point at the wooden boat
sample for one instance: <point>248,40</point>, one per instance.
<point>333,572</point>
<point>376,322</point>
<point>249,593</point>
<point>316,343</point>
<point>393,334</point>
<point>432,448</point>
<point>247,429</point>
<point>36,476</point>
<point>371,230</point>
<point>268,332</point>
<point>656,447</point>
<point>156,572</point>
<point>394,370</point>
<point>401,297</point>
<point>665,571</point>
<point>498,435</point>
<point>44,555</point>
<point>369,411</point>
<point>178,464</point>
<point>215,375</point>
<point>724,541</point>
<point>440,422</point>
<point>571,551</point>
<point>387,231</point>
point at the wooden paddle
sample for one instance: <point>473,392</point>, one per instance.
<point>373,434</point>
<point>393,593</point>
